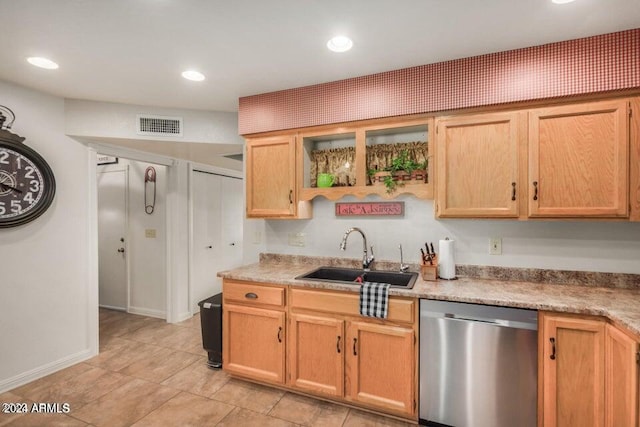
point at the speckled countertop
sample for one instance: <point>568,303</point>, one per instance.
<point>615,296</point>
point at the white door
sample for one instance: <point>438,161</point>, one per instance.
<point>217,231</point>
<point>112,258</point>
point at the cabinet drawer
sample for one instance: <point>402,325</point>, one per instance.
<point>400,310</point>
<point>252,293</point>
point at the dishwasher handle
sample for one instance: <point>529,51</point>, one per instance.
<point>472,319</point>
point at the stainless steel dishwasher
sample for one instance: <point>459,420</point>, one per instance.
<point>478,365</point>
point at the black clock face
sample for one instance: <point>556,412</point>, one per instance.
<point>27,185</point>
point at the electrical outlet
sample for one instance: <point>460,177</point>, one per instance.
<point>495,246</point>
<point>150,233</point>
<point>296,239</point>
<point>257,237</point>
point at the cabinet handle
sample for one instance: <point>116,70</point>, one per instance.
<point>251,295</point>
<point>513,191</point>
<point>355,341</point>
<point>338,344</point>
<point>553,348</point>
<point>290,197</point>
<point>535,190</point>
<point>280,334</point>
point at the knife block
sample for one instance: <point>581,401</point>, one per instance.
<point>430,272</point>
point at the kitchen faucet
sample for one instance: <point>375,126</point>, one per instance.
<point>403,267</point>
<point>366,259</point>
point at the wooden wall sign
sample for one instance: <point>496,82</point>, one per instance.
<point>370,209</point>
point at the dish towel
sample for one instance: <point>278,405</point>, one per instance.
<point>374,299</point>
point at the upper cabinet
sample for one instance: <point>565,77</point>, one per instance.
<point>568,161</point>
<point>271,179</point>
<point>579,160</point>
<point>479,165</point>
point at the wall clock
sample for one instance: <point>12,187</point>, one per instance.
<point>27,184</point>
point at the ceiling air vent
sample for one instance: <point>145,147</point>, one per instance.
<point>159,125</point>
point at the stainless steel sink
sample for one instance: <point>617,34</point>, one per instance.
<point>351,275</point>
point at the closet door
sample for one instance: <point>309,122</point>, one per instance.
<point>217,231</point>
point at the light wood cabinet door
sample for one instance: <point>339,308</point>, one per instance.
<point>380,364</point>
<point>254,342</point>
<point>578,160</point>
<point>478,165</point>
<point>572,362</point>
<point>316,354</point>
<point>271,182</point>
<point>621,384</point>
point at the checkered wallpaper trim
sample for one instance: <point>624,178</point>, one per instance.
<point>590,65</point>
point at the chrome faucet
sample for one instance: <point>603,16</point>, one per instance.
<point>403,267</point>
<point>366,259</point>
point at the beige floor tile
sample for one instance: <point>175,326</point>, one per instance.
<point>187,410</point>
<point>162,365</point>
<point>48,420</point>
<point>309,412</point>
<point>130,352</point>
<point>193,322</point>
<point>13,412</point>
<point>126,324</point>
<point>182,338</point>
<point>52,380</point>
<point>249,396</point>
<point>126,404</point>
<point>76,390</point>
<point>245,418</point>
<point>366,419</point>
<point>153,333</point>
<point>198,379</point>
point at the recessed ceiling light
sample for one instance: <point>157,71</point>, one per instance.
<point>193,75</point>
<point>42,62</point>
<point>340,44</point>
<point>561,1</point>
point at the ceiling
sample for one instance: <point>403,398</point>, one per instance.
<point>133,51</point>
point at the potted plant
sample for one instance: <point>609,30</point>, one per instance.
<point>401,169</point>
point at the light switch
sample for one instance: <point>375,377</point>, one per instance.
<point>150,233</point>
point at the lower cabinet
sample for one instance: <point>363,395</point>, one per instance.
<point>253,336</point>
<point>365,362</point>
<point>316,354</point>
<point>589,373</point>
<point>381,366</point>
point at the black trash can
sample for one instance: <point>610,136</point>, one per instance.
<point>211,324</point>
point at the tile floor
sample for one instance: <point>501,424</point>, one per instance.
<point>150,373</point>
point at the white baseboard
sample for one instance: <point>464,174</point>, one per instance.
<point>148,312</point>
<point>44,370</point>
<point>184,316</point>
<point>111,307</point>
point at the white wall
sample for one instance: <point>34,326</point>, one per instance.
<point>147,256</point>
<point>46,285</point>
<point>111,120</point>
<point>568,245</point>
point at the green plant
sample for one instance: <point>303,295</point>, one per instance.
<point>398,164</point>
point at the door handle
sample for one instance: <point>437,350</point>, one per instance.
<point>121,250</point>
<point>208,247</point>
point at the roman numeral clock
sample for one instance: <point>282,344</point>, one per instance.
<point>27,184</point>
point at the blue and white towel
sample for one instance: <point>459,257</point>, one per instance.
<point>374,299</point>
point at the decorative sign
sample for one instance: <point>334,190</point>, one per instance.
<point>370,209</point>
<point>106,160</point>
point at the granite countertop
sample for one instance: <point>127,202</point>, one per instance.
<point>614,296</point>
